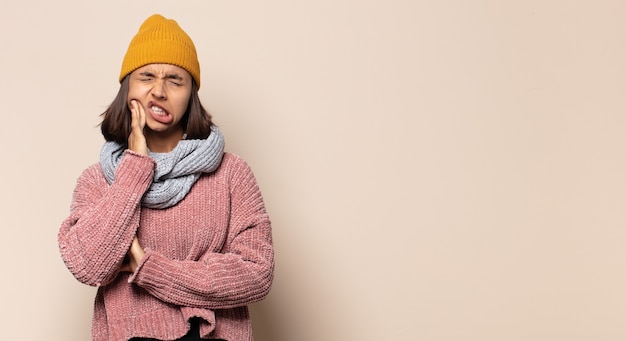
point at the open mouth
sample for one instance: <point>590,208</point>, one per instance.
<point>159,114</point>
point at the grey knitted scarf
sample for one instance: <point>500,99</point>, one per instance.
<point>176,171</point>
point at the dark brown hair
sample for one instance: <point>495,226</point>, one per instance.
<point>115,124</point>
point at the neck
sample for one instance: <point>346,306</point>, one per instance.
<point>163,141</point>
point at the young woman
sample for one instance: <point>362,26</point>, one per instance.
<point>172,230</point>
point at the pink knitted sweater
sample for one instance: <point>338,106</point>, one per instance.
<point>209,256</point>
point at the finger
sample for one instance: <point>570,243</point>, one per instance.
<point>141,115</point>
<point>136,252</point>
<point>136,139</point>
<point>133,106</point>
<point>125,268</point>
<point>134,244</point>
<point>133,115</point>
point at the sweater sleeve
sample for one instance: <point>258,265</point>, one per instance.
<point>239,276</point>
<point>103,219</point>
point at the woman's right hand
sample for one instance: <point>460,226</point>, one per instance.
<point>133,257</point>
<point>136,139</point>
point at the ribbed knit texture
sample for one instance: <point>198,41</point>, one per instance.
<point>161,40</point>
<point>175,171</point>
<point>209,256</point>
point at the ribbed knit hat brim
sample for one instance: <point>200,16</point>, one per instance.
<point>161,40</point>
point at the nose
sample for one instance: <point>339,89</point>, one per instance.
<point>158,90</point>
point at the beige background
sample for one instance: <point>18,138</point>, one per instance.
<point>435,170</point>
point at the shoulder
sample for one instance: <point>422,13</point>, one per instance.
<point>91,177</point>
<point>92,172</point>
<point>235,169</point>
<point>232,162</point>
<point>90,184</point>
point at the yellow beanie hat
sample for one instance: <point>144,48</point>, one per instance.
<point>161,40</point>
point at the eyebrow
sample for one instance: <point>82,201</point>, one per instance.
<point>168,76</point>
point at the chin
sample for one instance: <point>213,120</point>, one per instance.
<point>161,128</point>
<point>157,127</point>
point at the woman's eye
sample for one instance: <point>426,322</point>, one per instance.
<point>176,83</point>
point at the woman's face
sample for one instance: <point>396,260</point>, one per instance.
<point>163,90</point>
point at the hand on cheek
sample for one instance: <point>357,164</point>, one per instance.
<point>136,139</point>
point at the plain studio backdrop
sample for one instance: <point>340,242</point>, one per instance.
<point>434,170</point>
